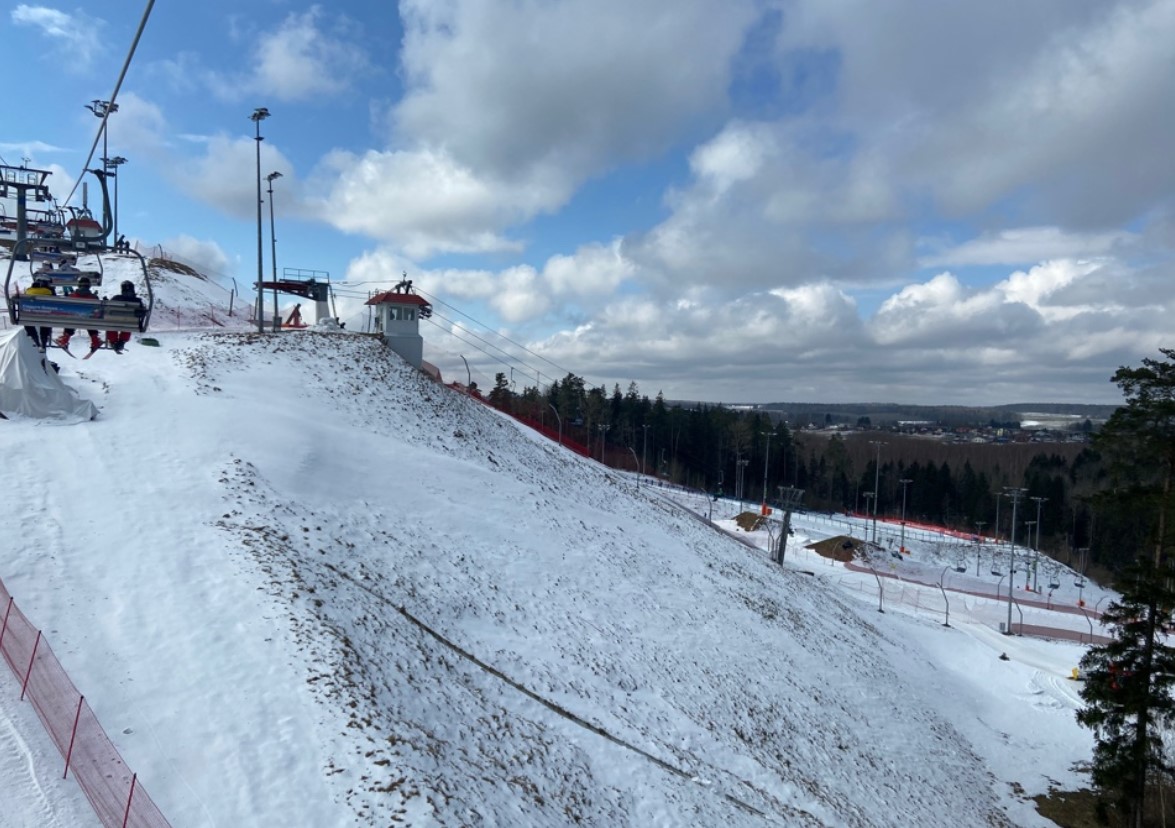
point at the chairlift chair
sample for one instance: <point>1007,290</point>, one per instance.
<point>74,311</point>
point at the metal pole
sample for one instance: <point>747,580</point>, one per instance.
<point>259,115</point>
<point>1039,502</point>
<point>905,481</point>
<point>766,454</point>
<point>1015,494</point>
<point>644,446</point>
<point>273,250</point>
<point>876,484</point>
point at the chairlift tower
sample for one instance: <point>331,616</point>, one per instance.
<point>23,182</point>
<point>789,501</point>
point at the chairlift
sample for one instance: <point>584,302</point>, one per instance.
<point>75,311</point>
<point>995,571</point>
<point>1054,585</point>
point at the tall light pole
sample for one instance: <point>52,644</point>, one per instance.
<point>876,484</point>
<point>259,115</point>
<point>1015,495</point>
<point>103,109</point>
<point>1040,501</point>
<point>868,497</point>
<point>742,465</point>
<point>905,481</point>
<point>644,446</point>
<point>766,454</point>
<point>113,164</point>
<point>978,543</point>
<point>273,248</point>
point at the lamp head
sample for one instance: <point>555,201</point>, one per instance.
<point>259,114</point>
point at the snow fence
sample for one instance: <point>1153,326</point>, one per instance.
<point>114,791</point>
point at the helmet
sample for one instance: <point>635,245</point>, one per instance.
<point>127,287</point>
<point>41,283</point>
<point>84,281</point>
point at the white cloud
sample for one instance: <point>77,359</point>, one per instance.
<point>509,108</point>
<point>76,37</point>
<point>424,201</point>
<point>225,176</point>
<point>203,254</point>
<point>306,57</point>
<point>1029,244</point>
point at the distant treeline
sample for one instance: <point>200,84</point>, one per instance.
<point>751,453</point>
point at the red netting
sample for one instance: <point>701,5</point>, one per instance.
<point>115,793</point>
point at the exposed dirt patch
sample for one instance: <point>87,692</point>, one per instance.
<point>840,548</point>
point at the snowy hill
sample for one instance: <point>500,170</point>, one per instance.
<point>302,585</point>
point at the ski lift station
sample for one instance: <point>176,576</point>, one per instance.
<point>397,319</point>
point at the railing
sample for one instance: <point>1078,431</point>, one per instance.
<point>112,788</point>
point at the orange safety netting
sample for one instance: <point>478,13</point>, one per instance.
<point>115,793</point>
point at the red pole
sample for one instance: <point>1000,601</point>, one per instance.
<point>73,735</point>
<point>129,797</point>
<point>5,627</point>
<point>25,684</point>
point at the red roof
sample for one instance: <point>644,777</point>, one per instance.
<point>396,298</point>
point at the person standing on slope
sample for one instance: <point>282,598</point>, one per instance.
<point>82,291</point>
<point>117,340</point>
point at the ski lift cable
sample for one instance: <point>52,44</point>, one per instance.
<point>461,327</point>
<point>492,356</point>
<point>438,301</point>
<point>475,347</point>
<point>113,97</point>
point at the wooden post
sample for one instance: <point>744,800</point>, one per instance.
<point>4,628</point>
<point>73,735</point>
<point>29,672</point>
<point>130,796</point>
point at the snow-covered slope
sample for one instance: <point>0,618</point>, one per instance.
<point>302,585</point>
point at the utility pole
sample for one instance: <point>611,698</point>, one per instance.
<point>766,454</point>
<point>905,481</point>
<point>1015,495</point>
<point>644,446</point>
<point>876,484</point>
<point>1040,501</point>
<point>273,250</point>
<point>979,524</point>
<point>259,115</point>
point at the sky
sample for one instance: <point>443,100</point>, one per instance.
<point>299,584</point>
<point>719,200</point>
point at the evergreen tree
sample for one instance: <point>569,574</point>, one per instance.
<point>1128,681</point>
<point>1139,440</point>
<point>1127,690</point>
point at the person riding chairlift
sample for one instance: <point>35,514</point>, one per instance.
<point>40,335</point>
<point>82,291</point>
<point>117,340</point>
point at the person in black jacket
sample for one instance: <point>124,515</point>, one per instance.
<point>117,340</point>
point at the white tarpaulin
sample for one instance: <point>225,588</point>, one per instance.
<point>30,387</point>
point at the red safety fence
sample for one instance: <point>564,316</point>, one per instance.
<point>114,791</point>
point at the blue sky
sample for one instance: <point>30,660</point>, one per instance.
<point>726,200</point>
